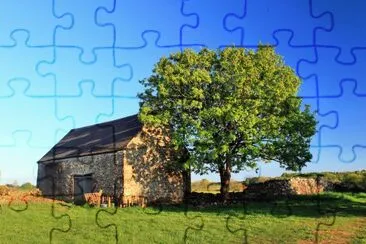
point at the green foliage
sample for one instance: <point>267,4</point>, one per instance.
<point>27,186</point>
<point>229,108</point>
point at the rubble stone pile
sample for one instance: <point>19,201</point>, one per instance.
<point>306,186</point>
<point>279,188</point>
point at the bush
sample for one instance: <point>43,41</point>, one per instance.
<point>27,186</point>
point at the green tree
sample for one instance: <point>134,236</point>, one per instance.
<point>229,109</point>
<point>27,186</point>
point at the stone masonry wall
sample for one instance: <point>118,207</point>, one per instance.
<point>269,190</point>
<point>273,189</point>
<point>145,172</point>
<point>58,178</point>
<point>306,186</point>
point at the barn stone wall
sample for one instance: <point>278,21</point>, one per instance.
<point>146,174</point>
<point>56,178</point>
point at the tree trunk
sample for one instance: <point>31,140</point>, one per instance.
<point>186,173</point>
<point>225,176</point>
<point>187,182</point>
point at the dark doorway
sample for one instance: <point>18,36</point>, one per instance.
<point>82,184</point>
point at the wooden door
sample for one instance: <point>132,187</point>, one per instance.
<point>82,184</point>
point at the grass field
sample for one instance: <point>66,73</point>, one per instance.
<point>329,218</point>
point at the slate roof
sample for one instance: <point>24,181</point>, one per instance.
<point>99,138</point>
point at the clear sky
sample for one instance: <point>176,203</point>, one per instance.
<point>71,63</point>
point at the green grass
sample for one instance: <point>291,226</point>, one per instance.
<point>282,222</point>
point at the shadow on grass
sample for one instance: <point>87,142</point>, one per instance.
<point>339,204</point>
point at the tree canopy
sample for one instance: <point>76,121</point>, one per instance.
<point>229,109</point>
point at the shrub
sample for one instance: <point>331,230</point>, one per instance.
<point>27,186</point>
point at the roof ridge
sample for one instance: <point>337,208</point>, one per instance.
<point>106,122</point>
<point>92,139</point>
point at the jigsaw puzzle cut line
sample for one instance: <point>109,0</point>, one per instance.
<point>32,42</point>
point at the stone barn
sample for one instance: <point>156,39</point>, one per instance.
<point>119,157</point>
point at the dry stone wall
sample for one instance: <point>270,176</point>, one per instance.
<point>264,191</point>
<point>278,188</point>
<point>306,186</point>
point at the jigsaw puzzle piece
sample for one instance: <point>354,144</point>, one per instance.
<point>71,181</point>
<point>22,220</point>
<point>295,17</point>
<point>328,220</point>
<point>324,65</point>
<point>69,71</point>
<point>18,109</point>
<point>85,34</point>
<point>330,154</point>
<point>113,226</point>
<point>163,17</point>
<point>125,224</point>
<point>36,17</point>
<point>348,30</point>
<point>351,131</point>
<point>81,113</point>
<point>327,213</point>
<point>122,107</point>
<point>13,159</point>
<point>282,209</point>
<point>151,53</point>
<point>18,204</point>
<point>235,222</point>
<point>195,223</point>
<point>210,29</point>
<point>19,61</point>
<point>293,56</point>
<point>21,212</point>
<point>58,210</point>
<point>135,225</point>
<point>327,120</point>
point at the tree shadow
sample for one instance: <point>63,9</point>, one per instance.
<point>311,206</point>
<point>149,170</point>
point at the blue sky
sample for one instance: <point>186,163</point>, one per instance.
<point>67,64</point>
